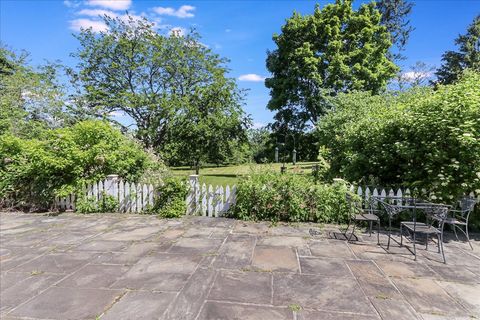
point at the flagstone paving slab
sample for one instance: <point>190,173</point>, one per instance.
<point>323,315</point>
<point>403,269</point>
<point>140,305</point>
<point>68,303</point>
<point>397,309</point>
<point>165,272</point>
<point>426,296</point>
<point>326,293</point>
<point>236,252</point>
<point>190,299</point>
<point>466,294</point>
<point>331,249</point>
<point>227,311</point>
<point>247,287</point>
<point>62,263</point>
<point>275,259</point>
<point>195,246</point>
<point>110,266</point>
<point>94,276</point>
<point>325,266</point>
<point>26,289</point>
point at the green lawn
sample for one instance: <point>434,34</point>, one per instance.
<point>223,175</point>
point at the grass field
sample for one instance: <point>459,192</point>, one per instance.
<point>223,175</point>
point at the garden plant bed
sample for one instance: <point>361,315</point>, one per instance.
<point>74,266</point>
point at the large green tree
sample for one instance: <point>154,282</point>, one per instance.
<point>335,49</point>
<point>30,98</point>
<point>395,15</point>
<point>173,87</point>
<point>467,56</point>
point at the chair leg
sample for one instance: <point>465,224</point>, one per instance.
<point>465,233</point>
<point>378,232</point>
<point>371,223</point>
<point>455,231</point>
<point>426,242</point>
<point>414,246</point>
<point>440,245</point>
<point>389,232</point>
<point>353,230</point>
<point>348,226</point>
<point>468,238</point>
<point>401,236</point>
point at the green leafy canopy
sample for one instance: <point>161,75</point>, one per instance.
<point>335,49</point>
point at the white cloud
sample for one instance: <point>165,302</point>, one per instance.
<point>117,114</point>
<point>252,77</point>
<point>228,30</point>
<point>258,125</point>
<point>96,26</point>
<point>179,31</point>
<point>71,4</point>
<point>182,12</point>
<point>97,12</point>
<point>415,75</point>
<point>111,4</point>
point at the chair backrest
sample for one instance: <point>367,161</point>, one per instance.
<point>466,205</point>
<point>437,212</point>
<point>355,206</point>
<point>390,209</point>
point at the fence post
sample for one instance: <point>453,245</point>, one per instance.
<point>192,200</point>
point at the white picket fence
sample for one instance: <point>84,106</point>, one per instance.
<point>131,197</point>
<point>366,192</point>
<point>208,200</point>
<point>137,197</point>
<point>205,200</point>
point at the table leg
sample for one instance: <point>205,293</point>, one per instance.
<point>389,230</point>
<point>414,234</point>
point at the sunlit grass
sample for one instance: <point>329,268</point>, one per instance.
<point>229,175</point>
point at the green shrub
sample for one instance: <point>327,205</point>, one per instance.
<point>428,138</point>
<point>289,197</point>
<point>170,200</point>
<point>61,161</point>
<point>107,203</point>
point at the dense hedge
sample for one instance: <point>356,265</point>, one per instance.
<point>428,138</point>
<point>33,171</point>
<point>289,197</point>
<point>170,200</point>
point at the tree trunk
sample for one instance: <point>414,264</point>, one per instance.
<point>197,167</point>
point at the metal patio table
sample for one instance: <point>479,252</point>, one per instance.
<point>438,212</point>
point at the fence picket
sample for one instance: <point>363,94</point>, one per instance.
<point>128,197</point>
<point>150,194</point>
<point>226,205</point>
<point>218,211</point>
<point>204,200</point>
<point>210,201</point>
<point>121,196</point>
<point>144,197</point>
<point>101,190</point>
<point>95,191</point>
<point>139,198</point>
<point>234,195</point>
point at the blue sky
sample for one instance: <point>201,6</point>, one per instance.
<point>239,30</point>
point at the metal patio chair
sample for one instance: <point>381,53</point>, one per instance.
<point>391,210</point>
<point>435,213</point>
<point>459,217</point>
<point>360,214</point>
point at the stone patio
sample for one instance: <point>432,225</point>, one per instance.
<point>140,267</point>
